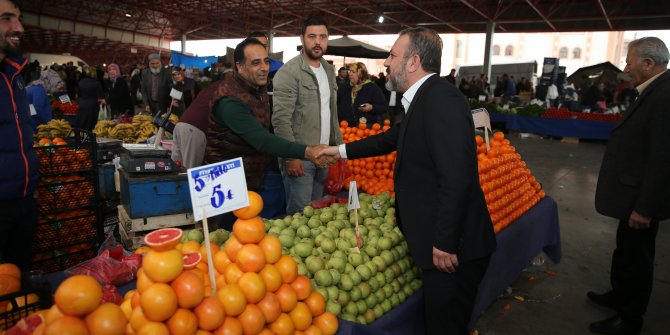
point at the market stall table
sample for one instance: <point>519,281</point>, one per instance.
<point>598,130</point>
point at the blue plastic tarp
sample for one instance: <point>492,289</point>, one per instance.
<point>179,58</point>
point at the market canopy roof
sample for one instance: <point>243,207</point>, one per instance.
<point>96,30</point>
<point>588,75</point>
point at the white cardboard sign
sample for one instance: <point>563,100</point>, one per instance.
<point>217,188</point>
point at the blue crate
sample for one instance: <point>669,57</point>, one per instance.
<point>106,188</point>
<point>155,194</point>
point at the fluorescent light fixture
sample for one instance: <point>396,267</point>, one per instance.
<point>129,15</point>
<point>380,19</point>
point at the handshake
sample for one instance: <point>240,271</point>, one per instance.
<point>322,155</point>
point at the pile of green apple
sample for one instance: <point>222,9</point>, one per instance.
<point>359,286</point>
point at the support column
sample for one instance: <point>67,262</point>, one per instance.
<point>271,37</point>
<point>183,43</point>
<point>490,28</point>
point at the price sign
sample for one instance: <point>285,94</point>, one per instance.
<point>481,118</point>
<point>175,94</point>
<point>353,196</point>
<point>217,188</point>
<point>64,98</point>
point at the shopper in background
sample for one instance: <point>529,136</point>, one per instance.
<point>156,86</point>
<point>40,109</point>
<point>187,86</point>
<point>366,98</point>
<point>90,98</point>
<point>117,97</point>
<point>305,111</point>
<point>634,187</point>
<point>18,160</point>
<point>440,205</point>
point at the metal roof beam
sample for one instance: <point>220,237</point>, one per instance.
<point>411,4</point>
<point>602,10</point>
<point>537,10</point>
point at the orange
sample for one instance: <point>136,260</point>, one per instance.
<point>44,141</point>
<point>271,247</point>
<point>344,124</point>
<point>250,258</point>
<point>232,298</point>
<point>10,269</point>
<point>252,320</point>
<point>302,286</point>
<point>266,331</point>
<point>255,207</point>
<point>154,328</point>
<point>210,314</point>
<point>287,297</point>
<point>253,286</point>
<point>190,246</point>
<point>270,307</point>
<point>163,266</point>
<point>190,289</point>
<point>213,247</point>
<point>204,332</point>
<point>143,281</point>
<point>313,330</point>
<point>301,316</point>
<point>230,326</point>
<point>316,303</point>
<point>127,308</point>
<point>107,319</point>
<point>66,325</point>
<point>22,300</point>
<point>283,325</point>
<point>129,293</point>
<point>183,322</point>
<point>327,322</point>
<point>135,299</point>
<point>249,230</point>
<point>78,295</point>
<point>158,302</point>
<point>53,314</point>
<point>271,277</point>
<point>232,273</point>
<point>288,268</point>
<point>232,246</point>
<point>221,260</point>
<point>137,319</point>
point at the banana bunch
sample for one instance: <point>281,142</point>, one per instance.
<point>54,128</point>
<point>123,131</point>
<point>144,127</point>
<point>103,127</point>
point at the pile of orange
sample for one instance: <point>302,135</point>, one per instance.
<point>10,282</point>
<point>258,290</point>
<point>374,175</point>
<point>509,188</point>
<point>63,159</point>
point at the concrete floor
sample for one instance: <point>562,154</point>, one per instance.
<point>557,304</point>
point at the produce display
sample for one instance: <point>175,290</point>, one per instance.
<point>137,131</point>
<point>374,175</point>
<point>566,114</point>
<point>53,129</point>
<point>509,188</point>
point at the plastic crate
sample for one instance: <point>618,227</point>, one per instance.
<point>25,297</point>
<point>77,156</point>
<point>59,260</point>
<point>57,231</point>
<point>62,193</point>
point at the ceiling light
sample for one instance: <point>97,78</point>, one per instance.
<point>129,15</point>
<point>380,19</point>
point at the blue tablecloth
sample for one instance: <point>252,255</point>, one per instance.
<point>537,230</point>
<point>599,130</point>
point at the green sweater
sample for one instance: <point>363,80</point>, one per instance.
<point>231,112</point>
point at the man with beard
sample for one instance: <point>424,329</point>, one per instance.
<point>156,86</point>
<point>305,111</point>
<point>240,121</point>
<point>18,160</point>
<point>440,205</point>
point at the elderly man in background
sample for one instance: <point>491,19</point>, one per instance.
<point>634,187</point>
<point>156,86</point>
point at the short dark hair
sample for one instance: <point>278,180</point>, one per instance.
<point>257,33</point>
<point>238,56</point>
<point>312,21</point>
<point>427,44</point>
<point>17,3</point>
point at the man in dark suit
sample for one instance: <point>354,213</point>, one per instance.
<point>634,187</point>
<point>156,86</point>
<point>440,205</point>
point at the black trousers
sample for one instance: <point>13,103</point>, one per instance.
<point>18,224</point>
<point>449,297</point>
<point>632,273</point>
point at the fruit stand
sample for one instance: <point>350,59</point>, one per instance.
<point>561,123</point>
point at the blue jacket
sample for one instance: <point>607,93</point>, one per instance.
<point>37,96</point>
<point>18,160</point>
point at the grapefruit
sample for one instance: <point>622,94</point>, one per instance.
<point>163,239</point>
<point>191,260</point>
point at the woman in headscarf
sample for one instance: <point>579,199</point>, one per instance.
<point>117,97</point>
<point>367,98</point>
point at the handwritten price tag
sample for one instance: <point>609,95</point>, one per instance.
<point>481,118</point>
<point>217,188</point>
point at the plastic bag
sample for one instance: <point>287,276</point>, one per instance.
<point>337,174</point>
<point>327,201</point>
<point>110,267</point>
<point>102,113</point>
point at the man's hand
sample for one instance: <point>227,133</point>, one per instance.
<point>332,152</point>
<point>637,221</point>
<point>444,261</point>
<point>314,155</point>
<point>147,108</point>
<point>294,168</point>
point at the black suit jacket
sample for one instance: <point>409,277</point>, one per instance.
<point>635,173</point>
<point>164,87</point>
<point>438,197</point>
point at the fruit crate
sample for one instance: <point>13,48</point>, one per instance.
<point>23,303</point>
<point>77,156</point>
<point>64,230</point>
<point>62,259</point>
<point>63,193</point>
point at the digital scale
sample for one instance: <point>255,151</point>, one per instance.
<point>145,158</point>
<point>108,148</point>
